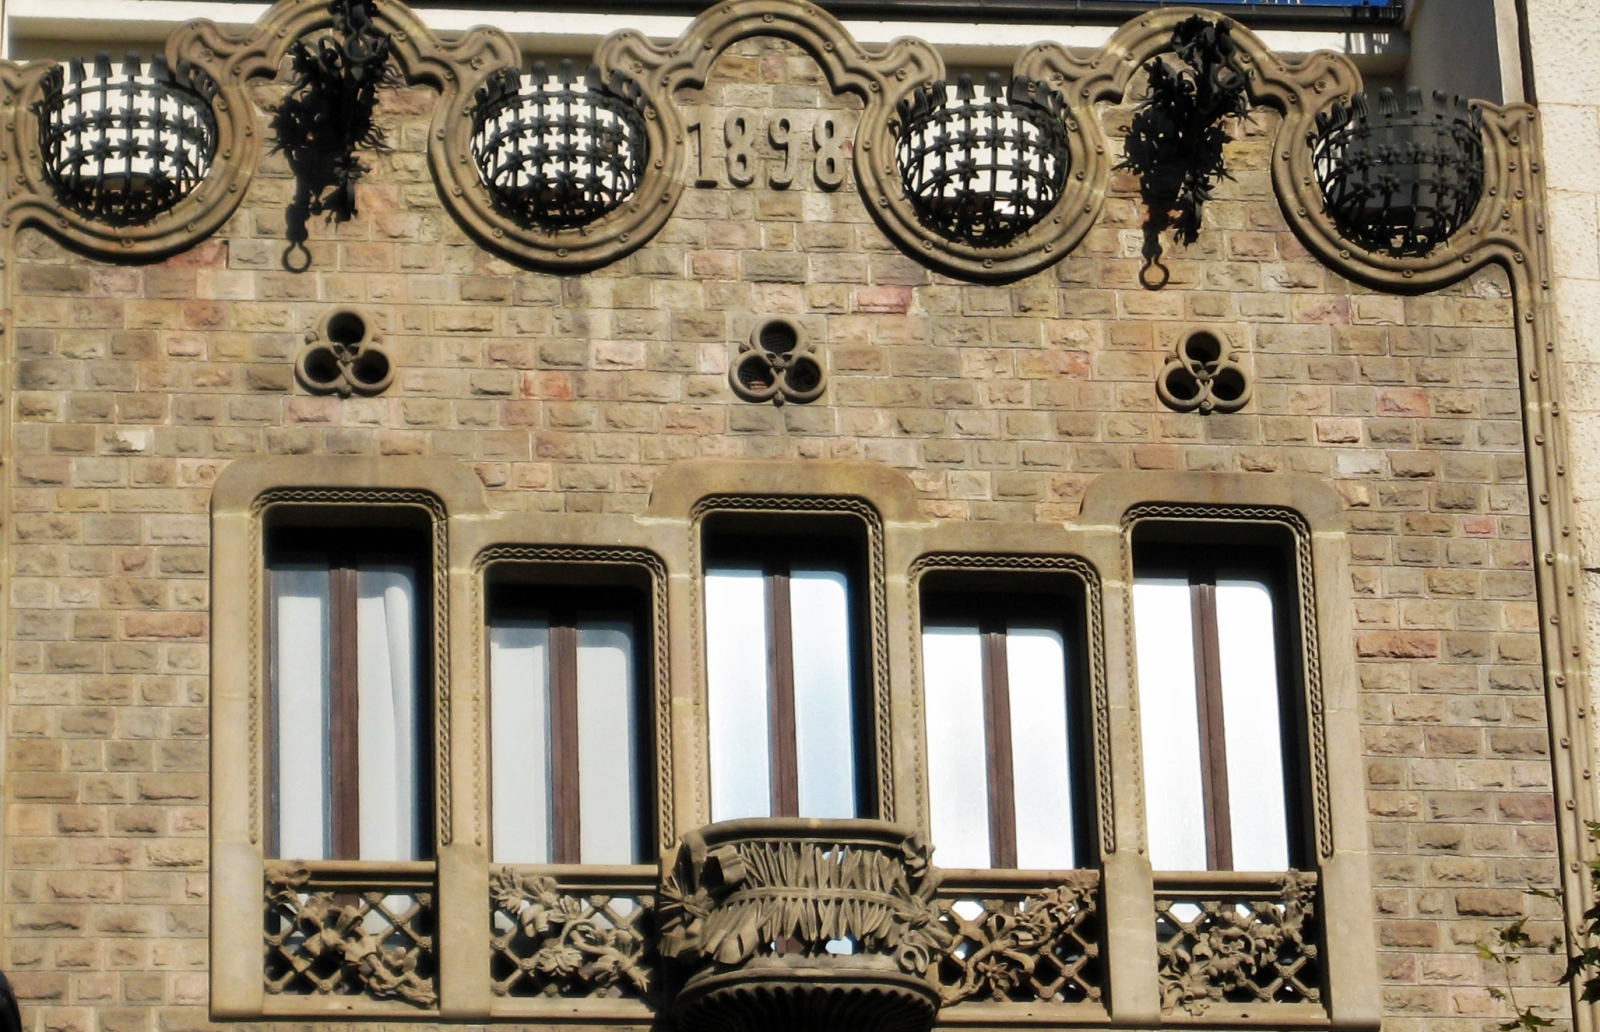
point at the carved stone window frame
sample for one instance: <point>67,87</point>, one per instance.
<point>874,588</point>
<point>1092,633</point>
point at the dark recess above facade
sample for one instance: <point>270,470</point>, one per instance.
<point>1094,12</point>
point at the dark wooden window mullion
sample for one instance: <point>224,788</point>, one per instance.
<point>344,725</point>
<point>565,847</point>
<point>997,745</point>
<point>1213,739</point>
<point>780,695</point>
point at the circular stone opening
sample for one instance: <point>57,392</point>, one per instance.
<point>1182,385</point>
<point>1228,385</point>
<point>370,369</point>
<point>346,328</point>
<point>755,375</point>
<point>321,366</point>
<point>1203,347</point>
<point>778,337</point>
<point>804,376</point>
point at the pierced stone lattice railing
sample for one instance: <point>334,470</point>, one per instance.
<point>574,932</point>
<point>1233,938</point>
<point>1019,937</point>
<point>346,928</point>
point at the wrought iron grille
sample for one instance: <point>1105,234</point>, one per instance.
<point>123,147</point>
<point>983,170</point>
<point>563,150</point>
<point>1401,179</point>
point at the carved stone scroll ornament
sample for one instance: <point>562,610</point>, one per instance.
<point>551,941</point>
<point>325,941</point>
<point>801,924</point>
<point>1234,947</point>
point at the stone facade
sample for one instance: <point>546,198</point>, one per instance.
<point>134,385</point>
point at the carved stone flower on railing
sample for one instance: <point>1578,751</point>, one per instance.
<point>777,365</point>
<point>322,941</point>
<point>983,170</point>
<point>123,148</point>
<point>1203,376</point>
<point>567,942</point>
<point>1400,176</point>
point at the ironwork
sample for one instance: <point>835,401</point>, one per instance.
<point>1401,179</point>
<point>328,113</point>
<point>983,170</point>
<point>563,150</point>
<point>122,147</point>
<point>1175,141</point>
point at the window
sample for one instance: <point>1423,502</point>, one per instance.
<point>349,663</point>
<point>785,675</point>
<point>1220,708</point>
<point>1004,688</point>
<point>569,690</point>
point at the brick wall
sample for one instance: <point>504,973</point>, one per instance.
<point>135,385</point>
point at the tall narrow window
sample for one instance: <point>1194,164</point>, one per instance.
<point>1219,705</point>
<point>349,662</point>
<point>1003,689</point>
<point>784,675</point>
<point>567,698</point>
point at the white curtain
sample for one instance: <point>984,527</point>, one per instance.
<point>1253,733</point>
<point>958,767</point>
<point>736,683</point>
<point>300,686</point>
<point>1169,721</point>
<point>1041,763</point>
<point>608,794</point>
<point>1169,718</point>
<point>819,620</point>
<point>519,740</point>
<point>386,691</point>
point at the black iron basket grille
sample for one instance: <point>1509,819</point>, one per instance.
<point>122,148</point>
<point>563,150</point>
<point>1401,179</point>
<point>983,170</point>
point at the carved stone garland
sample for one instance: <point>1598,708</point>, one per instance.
<point>570,943</point>
<point>1042,948</point>
<point>324,941</point>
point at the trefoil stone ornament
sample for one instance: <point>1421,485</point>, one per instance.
<point>1203,376</point>
<point>777,365</point>
<point>343,356</point>
<point>124,148</point>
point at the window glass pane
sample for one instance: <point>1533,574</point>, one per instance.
<point>1252,726</point>
<point>608,793</point>
<point>736,681</point>
<point>819,608</point>
<point>519,742</point>
<point>300,685</point>
<point>1036,668</point>
<point>958,767</point>
<point>386,690</point>
<point>1170,724</point>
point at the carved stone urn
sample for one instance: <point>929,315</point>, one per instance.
<point>791,925</point>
